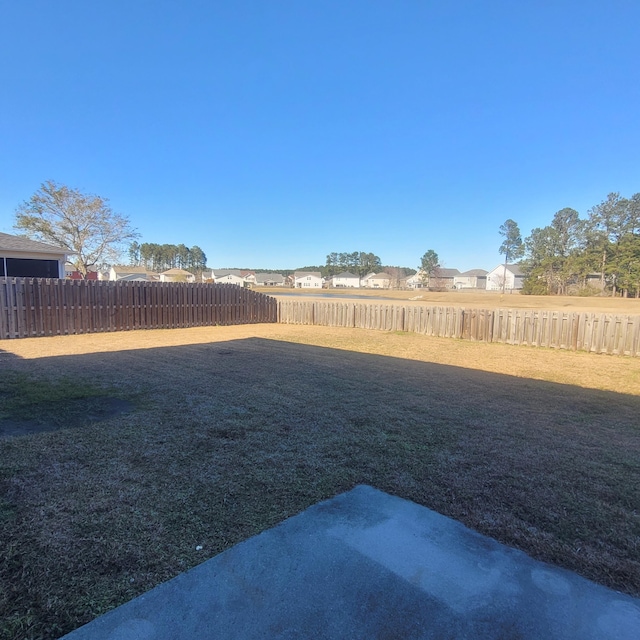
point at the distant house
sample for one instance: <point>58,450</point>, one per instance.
<point>71,273</point>
<point>177,275</point>
<point>345,280</point>
<point>307,280</point>
<point>364,281</point>
<point>379,281</point>
<point>229,276</point>
<point>472,279</point>
<point>128,273</point>
<point>443,278</point>
<point>269,280</point>
<point>512,277</point>
<point>249,278</point>
<point>416,281</point>
<point>24,258</point>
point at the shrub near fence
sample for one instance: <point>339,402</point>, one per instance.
<point>47,307</point>
<point>594,332</point>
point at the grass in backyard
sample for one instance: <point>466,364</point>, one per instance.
<point>237,428</point>
<point>31,405</point>
<point>25,397</point>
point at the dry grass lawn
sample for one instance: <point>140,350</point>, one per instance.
<point>236,428</point>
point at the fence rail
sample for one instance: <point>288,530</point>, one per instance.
<point>32,307</point>
<point>581,331</point>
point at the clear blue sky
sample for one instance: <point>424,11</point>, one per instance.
<point>270,133</point>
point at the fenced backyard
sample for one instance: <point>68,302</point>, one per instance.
<point>615,334</point>
<point>47,307</point>
<point>32,307</point>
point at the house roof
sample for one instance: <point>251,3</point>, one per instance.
<point>446,273</point>
<point>474,272</point>
<point>304,274</point>
<point>134,277</point>
<point>380,276</point>
<point>18,243</point>
<point>128,269</point>
<point>220,273</point>
<point>269,277</point>
<point>176,272</point>
<point>516,269</point>
<point>346,274</point>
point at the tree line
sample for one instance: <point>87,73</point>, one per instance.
<point>570,249</point>
<point>160,257</point>
<point>358,262</point>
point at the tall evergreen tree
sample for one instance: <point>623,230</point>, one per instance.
<point>512,246</point>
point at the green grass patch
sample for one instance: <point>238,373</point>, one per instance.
<point>25,397</point>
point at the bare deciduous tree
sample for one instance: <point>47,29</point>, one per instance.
<point>83,224</point>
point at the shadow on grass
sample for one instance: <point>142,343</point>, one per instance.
<point>233,437</point>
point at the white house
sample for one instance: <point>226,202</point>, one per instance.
<point>249,278</point>
<point>416,281</point>
<point>472,279</point>
<point>228,276</point>
<point>307,280</point>
<point>512,277</point>
<point>24,258</point>
<point>269,280</point>
<point>364,281</point>
<point>379,281</point>
<point>345,280</point>
<point>177,275</point>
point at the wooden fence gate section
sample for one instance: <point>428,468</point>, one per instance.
<point>32,307</point>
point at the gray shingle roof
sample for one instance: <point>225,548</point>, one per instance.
<point>219,273</point>
<point>17,243</point>
<point>446,273</point>
<point>474,272</point>
<point>269,277</point>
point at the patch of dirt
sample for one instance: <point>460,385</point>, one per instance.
<point>69,414</point>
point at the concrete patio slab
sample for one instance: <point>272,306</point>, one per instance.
<point>367,565</point>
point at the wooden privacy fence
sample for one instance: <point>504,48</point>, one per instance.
<point>595,332</point>
<point>48,307</point>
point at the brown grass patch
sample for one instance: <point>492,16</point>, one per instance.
<point>237,428</point>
